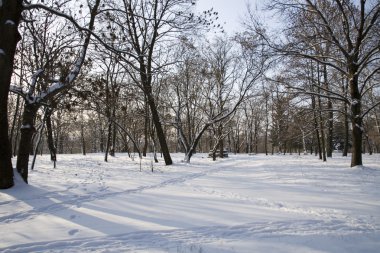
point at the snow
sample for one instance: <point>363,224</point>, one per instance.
<point>360,127</point>
<point>37,73</point>
<point>16,89</point>
<point>1,50</point>
<point>54,87</point>
<point>239,204</point>
<point>355,102</point>
<point>27,126</point>
<point>9,22</point>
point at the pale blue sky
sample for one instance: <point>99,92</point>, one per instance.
<point>230,11</point>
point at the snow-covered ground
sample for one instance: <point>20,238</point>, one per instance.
<point>240,204</point>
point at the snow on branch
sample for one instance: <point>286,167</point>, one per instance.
<point>17,90</point>
<point>34,82</point>
<point>59,86</point>
<point>9,22</point>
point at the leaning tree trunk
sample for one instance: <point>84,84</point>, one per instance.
<point>154,144</point>
<point>25,144</point>
<point>159,130</point>
<point>38,143</point>
<point>191,150</point>
<point>10,11</point>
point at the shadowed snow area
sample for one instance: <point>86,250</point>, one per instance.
<point>242,203</point>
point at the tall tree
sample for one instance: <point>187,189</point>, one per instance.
<point>10,15</point>
<point>351,29</point>
<point>252,65</point>
<point>146,29</point>
<point>33,100</point>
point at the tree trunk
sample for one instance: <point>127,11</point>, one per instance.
<point>108,140</point>
<point>154,145</point>
<point>10,10</point>
<point>357,136</point>
<point>113,133</point>
<point>16,139</point>
<point>330,126</point>
<point>38,143</point>
<point>266,125</point>
<point>113,142</point>
<point>25,145</point>
<point>356,121</point>
<point>303,143</point>
<point>14,122</point>
<point>50,139</point>
<point>256,135</point>
<point>159,130</point>
<point>221,141</point>
<point>146,128</point>
<point>323,140</point>
<point>83,139</point>
<point>316,127</point>
<point>369,144</point>
<point>345,118</point>
<point>323,144</point>
<point>191,150</point>
<point>101,134</point>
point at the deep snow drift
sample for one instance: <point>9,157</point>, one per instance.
<point>243,203</point>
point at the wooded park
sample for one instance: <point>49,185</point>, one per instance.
<point>156,76</point>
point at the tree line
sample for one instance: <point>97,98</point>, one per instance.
<point>143,76</point>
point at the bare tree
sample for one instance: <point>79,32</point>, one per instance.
<point>145,30</point>
<point>350,28</point>
<point>34,99</point>
<point>218,103</point>
<point>10,15</point>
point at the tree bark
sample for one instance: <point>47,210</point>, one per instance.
<point>356,120</point>
<point>10,14</point>
<point>323,143</point>
<point>39,139</point>
<point>83,139</point>
<point>113,143</point>
<point>221,141</point>
<point>27,131</point>
<point>357,135</point>
<point>50,139</point>
<point>159,130</point>
<point>266,124</point>
<point>330,126</point>
<point>316,127</point>
<point>109,133</point>
<point>345,118</point>
<point>146,128</point>
<point>191,150</point>
<point>14,122</point>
